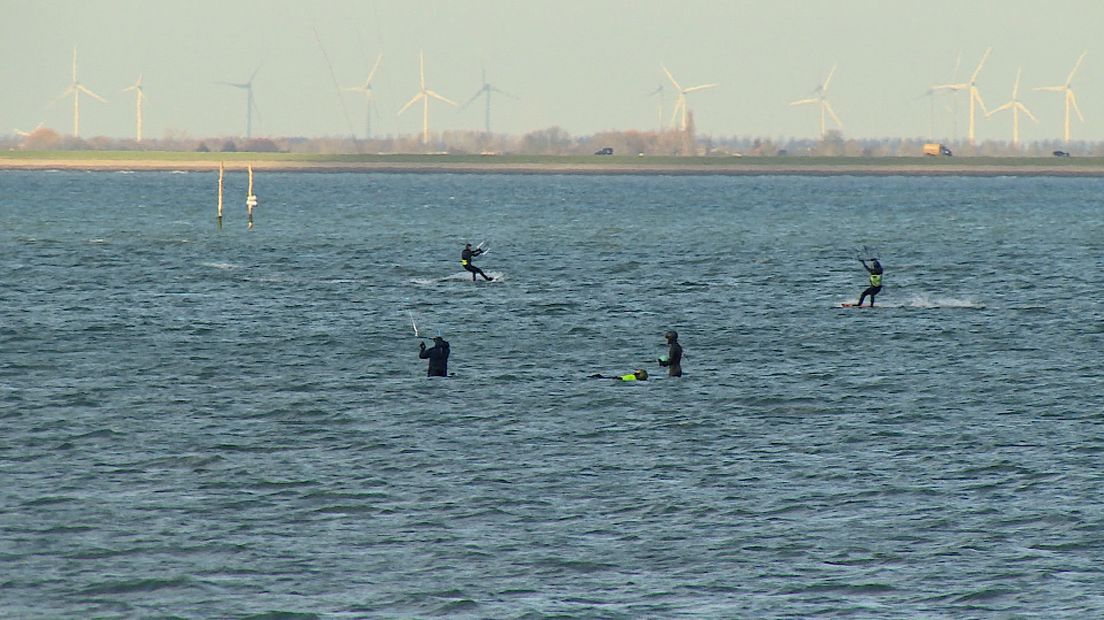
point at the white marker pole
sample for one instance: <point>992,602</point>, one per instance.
<point>221,172</point>
<point>250,198</point>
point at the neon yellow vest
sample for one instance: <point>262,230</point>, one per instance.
<point>628,377</point>
<point>875,279</point>
<point>463,262</point>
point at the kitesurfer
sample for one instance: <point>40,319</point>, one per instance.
<point>437,355</point>
<point>673,359</point>
<point>466,261</point>
<point>875,269</point>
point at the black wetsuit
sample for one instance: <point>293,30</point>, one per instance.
<point>674,359</point>
<point>438,356</point>
<point>875,287</point>
<point>466,260</point>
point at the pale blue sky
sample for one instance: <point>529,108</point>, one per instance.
<point>584,65</point>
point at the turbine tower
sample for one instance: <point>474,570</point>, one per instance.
<point>369,96</point>
<point>970,86</point>
<point>681,111</point>
<point>250,105</point>
<point>820,97</point>
<point>139,95</point>
<point>424,94</point>
<point>1016,106</point>
<point>75,89</point>
<point>658,92</point>
<point>1070,99</point>
<point>486,91</point>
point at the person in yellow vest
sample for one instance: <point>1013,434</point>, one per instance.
<point>637,375</point>
<point>466,262</point>
<point>875,270</point>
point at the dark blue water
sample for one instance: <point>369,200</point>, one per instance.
<point>226,424</point>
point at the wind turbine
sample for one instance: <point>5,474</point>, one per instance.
<point>250,105</point>
<point>953,108</point>
<point>680,101</point>
<point>659,114</point>
<point>424,94</point>
<point>486,91</point>
<point>139,95</point>
<point>26,134</point>
<point>1070,99</point>
<point>1016,106</point>
<point>75,89</point>
<point>369,96</point>
<point>970,86</point>
<point>820,97</point>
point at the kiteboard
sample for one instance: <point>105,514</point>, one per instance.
<point>854,306</point>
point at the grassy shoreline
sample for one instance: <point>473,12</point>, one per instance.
<point>549,164</point>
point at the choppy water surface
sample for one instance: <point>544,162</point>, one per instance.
<point>212,424</point>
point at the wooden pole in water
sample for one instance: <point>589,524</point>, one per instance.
<point>250,199</point>
<point>221,170</point>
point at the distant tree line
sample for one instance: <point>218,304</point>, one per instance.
<point>551,141</point>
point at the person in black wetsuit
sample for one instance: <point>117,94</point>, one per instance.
<point>437,355</point>
<point>875,269</point>
<point>466,260</point>
<point>673,359</point>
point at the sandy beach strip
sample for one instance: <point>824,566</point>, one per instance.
<point>726,167</point>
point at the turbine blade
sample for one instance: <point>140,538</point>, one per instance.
<point>440,98</point>
<point>411,102</point>
<point>950,86</point>
<point>695,89</point>
<point>372,73</point>
<point>977,96</point>
<point>980,65</point>
<point>1051,89</point>
<point>68,91</point>
<point>502,92</point>
<point>1024,109</point>
<point>803,101</point>
<point>1016,84</point>
<point>1000,109</point>
<point>474,97</point>
<point>1075,67</point>
<point>828,106</point>
<point>421,69</point>
<point>84,90</point>
<point>1076,108</point>
<point>680,103</point>
<point>671,77</point>
<point>827,80</point>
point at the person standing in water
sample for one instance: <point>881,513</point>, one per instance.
<point>437,355</point>
<point>875,270</point>
<point>673,359</point>
<point>466,261</point>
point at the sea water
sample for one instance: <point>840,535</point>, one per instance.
<point>206,423</point>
